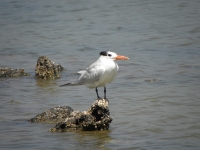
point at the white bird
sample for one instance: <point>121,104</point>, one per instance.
<point>100,72</point>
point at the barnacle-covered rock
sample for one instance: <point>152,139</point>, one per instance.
<point>75,121</point>
<point>96,118</point>
<point>47,69</point>
<point>55,114</point>
<point>9,72</point>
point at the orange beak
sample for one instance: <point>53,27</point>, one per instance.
<point>119,57</point>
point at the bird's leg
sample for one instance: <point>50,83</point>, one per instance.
<point>104,92</point>
<point>97,93</point>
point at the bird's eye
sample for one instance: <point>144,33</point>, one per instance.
<point>109,55</point>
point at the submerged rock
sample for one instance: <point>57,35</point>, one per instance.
<point>96,118</point>
<point>153,80</point>
<point>46,69</point>
<point>9,72</point>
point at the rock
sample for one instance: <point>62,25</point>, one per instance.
<point>96,118</point>
<point>46,69</point>
<point>152,80</point>
<point>9,72</point>
<point>76,121</point>
<point>56,114</point>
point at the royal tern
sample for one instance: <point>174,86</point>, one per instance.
<point>100,72</point>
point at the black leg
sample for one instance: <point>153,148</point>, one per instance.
<point>97,93</point>
<point>104,92</point>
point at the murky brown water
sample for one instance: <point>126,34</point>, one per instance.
<point>155,98</point>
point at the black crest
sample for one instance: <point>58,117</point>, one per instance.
<point>104,53</point>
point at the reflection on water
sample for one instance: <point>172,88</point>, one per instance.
<point>154,100</point>
<point>98,138</point>
<point>45,83</point>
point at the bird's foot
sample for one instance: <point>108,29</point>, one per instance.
<point>106,100</point>
<point>99,98</point>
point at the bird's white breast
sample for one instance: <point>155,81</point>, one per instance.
<point>111,69</point>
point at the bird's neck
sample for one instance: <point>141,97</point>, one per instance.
<point>107,62</point>
<point>105,59</point>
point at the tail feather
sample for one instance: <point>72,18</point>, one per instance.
<point>70,84</point>
<point>67,84</point>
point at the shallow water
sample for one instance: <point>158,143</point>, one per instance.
<point>155,98</point>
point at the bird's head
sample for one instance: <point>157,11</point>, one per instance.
<point>112,55</point>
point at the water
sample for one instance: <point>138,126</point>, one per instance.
<point>155,98</point>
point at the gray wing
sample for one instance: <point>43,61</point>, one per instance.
<point>92,74</point>
<point>81,72</point>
